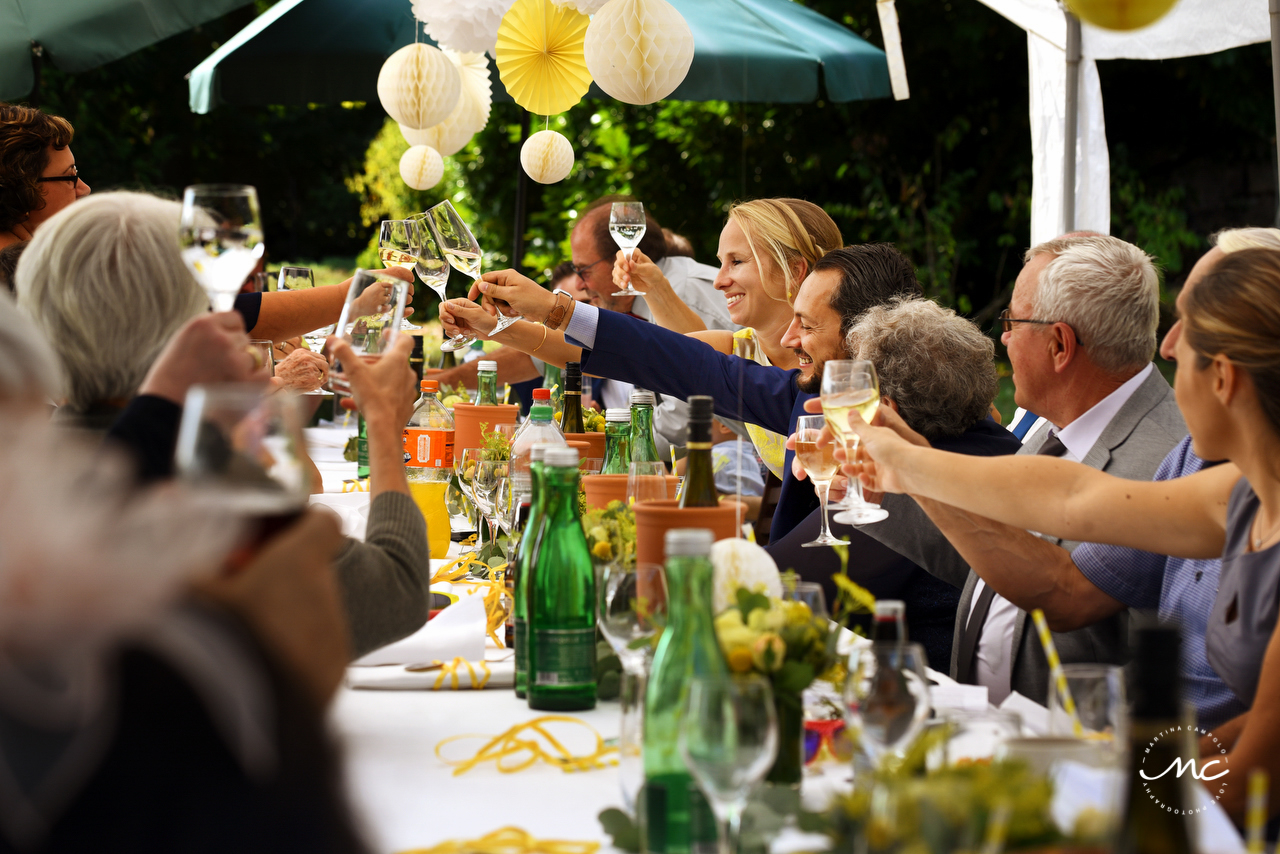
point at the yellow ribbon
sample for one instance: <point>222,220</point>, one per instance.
<point>495,588</point>
<point>511,744</point>
<point>355,486</point>
<point>450,671</point>
<point>509,840</point>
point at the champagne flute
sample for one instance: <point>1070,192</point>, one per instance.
<point>627,224</point>
<point>373,309</point>
<point>220,234</point>
<point>398,245</point>
<point>849,386</point>
<point>646,481</point>
<point>244,450</point>
<point>729,738</point>
<point>820,464</point>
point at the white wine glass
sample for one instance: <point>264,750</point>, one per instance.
<point>819,463</point>
<point>303,279</point>
<point>728,739</point>
<point>851,386</point>
<point>460,249</point>
<point>627,224</point>
<point>220,235</point>
<point>646,481</point>
<point>886,699</point>
<point>432,266</point>
<point>370,316</point>
<point>398,245</point>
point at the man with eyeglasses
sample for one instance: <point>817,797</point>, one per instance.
<point>1080,332</point>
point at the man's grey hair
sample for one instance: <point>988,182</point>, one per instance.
<point>1234,239</point>
<point>1106,290</point>
<point>28,367</point>
<point>936,366</point>
<point>106,284</point>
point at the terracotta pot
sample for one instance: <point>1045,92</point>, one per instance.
<point>594,442</point>
<point>467,418</point>
<point>655,518</point>
<point>600,489</point>
<point>582,448</point>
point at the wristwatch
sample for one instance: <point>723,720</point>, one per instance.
<point>556,317</point>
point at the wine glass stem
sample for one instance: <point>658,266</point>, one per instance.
<point>731,830</point>
<point>824,491</point>
<point>222,301</point>
<point>855,482</point>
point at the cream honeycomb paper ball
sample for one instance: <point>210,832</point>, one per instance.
<point>421,167</point>
<point>586,7</point>
<point>418,86</point>
<point>638,51</point>
<point>547,157</point>
<point>471,114</point>
<point>469,26</point>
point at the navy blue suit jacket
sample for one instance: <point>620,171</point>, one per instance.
<point>670,363</point>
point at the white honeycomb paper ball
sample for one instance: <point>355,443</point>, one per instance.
<point>471,114</point>
<point>418,86</point>
<point>421,167</point>
<point>638,51</point>
<point>586,7</point>
<point>547,157</point>
<point>469,26</point>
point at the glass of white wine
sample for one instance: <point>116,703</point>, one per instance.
<point>432,267</point>
<point>220,234</point>
<point>459,247</point>
<point>819,463</point>
<point>849,386</point>
<point>397,247</point>
<point>627,224</point>
<point>370,317</point>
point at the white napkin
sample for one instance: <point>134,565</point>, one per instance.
<point>456,632</point>
<point>499,665</point>
<point>1035,717</point>
<point>352,508</point>
<point>330,437</point>
<point>950,694</point>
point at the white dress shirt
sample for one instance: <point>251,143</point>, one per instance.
<point>994,665</point>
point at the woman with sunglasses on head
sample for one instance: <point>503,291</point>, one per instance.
<point>1227,347</point>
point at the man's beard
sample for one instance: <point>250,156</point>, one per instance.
<point>813,385</point>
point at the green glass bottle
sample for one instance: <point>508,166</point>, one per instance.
<point>551,377</point>
<point>526,555</point>
<point>487,374</point>
<point>699,474</point>
<point>643,450</point>
<point>617,441</point>
<point>562,600</point>
<point>676,816</point>
<point>1155,814</point>
<point>362,448</point>
<point>571,416</point>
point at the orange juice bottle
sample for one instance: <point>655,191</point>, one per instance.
<point>428,461</point>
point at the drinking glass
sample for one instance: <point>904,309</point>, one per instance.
<point>371,314</point>
<point>627,224</point>
<point>886,699</point>
<point>819,463</point>
<point>849,386</point>
<point>220,234</point>
<point>591,465</point>
<point>979,736</point>
<point>263,283</point>
<point>810,593</point>
<point>484,489</point>
<point>398,245</point>
<point>460,249</point>
<point>295,279</point>
<point>463,465</point>
<point>729,738</point>
<point>646,481</point>
<point>1100,705</point>
<point>263,346</point>
<point>432,267</point>
<point>245,451</point>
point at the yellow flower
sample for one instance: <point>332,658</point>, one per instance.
<point>729,619</point>
<point>602,550</point>
<point>768,652</point>
<point>739,659</point>
<point>771,620</point>
<point>797,613</point>
<point>735,636</point>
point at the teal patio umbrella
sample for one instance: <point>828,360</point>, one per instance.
<point>329,51</point>
<point>76,35</point>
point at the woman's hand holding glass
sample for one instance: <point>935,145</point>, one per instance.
<point>462,317</point>
<point>507,291</point>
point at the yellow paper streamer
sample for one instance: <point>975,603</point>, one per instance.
<point>1055,671</point>
<point>355,486</point>
<point>450,671</point>
<point>456,571</point>
<point>516,742</point>
<point>509,840</point>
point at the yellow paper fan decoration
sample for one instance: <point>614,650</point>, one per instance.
<point>540,56</point>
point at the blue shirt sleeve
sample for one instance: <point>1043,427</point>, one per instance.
<point>581,328</point>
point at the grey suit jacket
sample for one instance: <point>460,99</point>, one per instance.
<point>1132,446</point>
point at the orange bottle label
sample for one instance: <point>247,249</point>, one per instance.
<point>428,448</point>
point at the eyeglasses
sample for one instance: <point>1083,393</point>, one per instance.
<point>74,177</point>
<point>584,271</point>
<point>1006,324</point>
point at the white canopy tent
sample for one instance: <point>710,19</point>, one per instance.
<point>1192,28</point>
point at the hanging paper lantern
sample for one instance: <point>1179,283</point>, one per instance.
<point>547,157</point>
<point>418,86</point>
<point>471,114</point>
<point>586,7</point>
<point>1120,14</point>
<point>421,167</point>
<point>469,26</point>
<point>540,58</point>
<point>638,51</point>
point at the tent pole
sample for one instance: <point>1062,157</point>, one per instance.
<point>1275,86</point>
<point>522,199</point>
<point>1072,124</point>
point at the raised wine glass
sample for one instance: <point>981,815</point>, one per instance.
<point>398,245</point>
<point>819,463</point>
<point>432,266</point>
<point>372,312</point>
<point>627,224</point>
<point>851,386</point>
<point>220,234</point>
<point>460,249</point>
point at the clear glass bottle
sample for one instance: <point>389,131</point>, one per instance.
<point>561,636</point>
<point>487,375</point>
<point>617,441</point>
<point>540,426</point>
<point>526,555</point>
<point>428,464</point>
<point>643,450</point>
<point>699,488</point>
<point>676,818</point>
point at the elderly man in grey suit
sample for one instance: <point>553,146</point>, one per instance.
<point>1081,332</point>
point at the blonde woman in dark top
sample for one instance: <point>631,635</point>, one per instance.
<point>1227,347</point>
